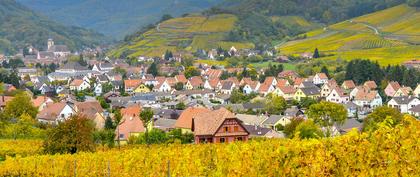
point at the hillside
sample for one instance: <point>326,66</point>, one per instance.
<point>20,26</point>
<point>182,34</point>
<point>114,18</point>
<point>389,36</point>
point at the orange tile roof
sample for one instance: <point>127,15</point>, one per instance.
<point>208,123</point>
<point>366,95</point>
<point>213,82</point>
<point>287,89</point>
<point>370,84</point>
<point>76,82</point>
<point>269,80</point>
<point>38,101</point>
<point>185,119</point>
<point>349,84</point>
<point>282,83</point>
<point>89,108</point>
<point>214,73</point>
<point>132,83</point>
<point>51,111</point>
<point>181,78</point>
<point>322,75</point>
<point>394,85</point>
<point>133,111</point>
<point>196,81</point>
<point>129,125</point>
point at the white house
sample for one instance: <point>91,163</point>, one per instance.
<point>404,103</point>
<point>98,89</point>
<point>55,112</point>
<point>338,96</point>
<point>163,87</point>
<point>368,99</point>
<point>416,91</point>
<point>320,78</point>
<point>79,85</point>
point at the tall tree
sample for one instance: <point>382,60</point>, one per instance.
<point>326,114</point>
<point>316,53</point>
<point>146,116</point>
<point>153,69</point>
<point>19,105</point>
<point>324,70</point>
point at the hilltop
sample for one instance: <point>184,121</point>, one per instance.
<point>390,36</point>
<point>115,18</point>
<point>258,24</point>
<point>20,26</point>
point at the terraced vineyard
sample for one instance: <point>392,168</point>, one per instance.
<point>378,36</point>
<point>187,33</point>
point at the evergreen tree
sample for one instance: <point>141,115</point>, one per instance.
<point>316,53</point>
<point>153,69</point>
<point>324,70</point>
<point>109,124</point>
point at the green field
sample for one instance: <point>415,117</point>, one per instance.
<point>390,36</point>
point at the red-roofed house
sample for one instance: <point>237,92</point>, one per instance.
<point>184,122</point>
<point>391,88</point>
<point>337,95</point>
<point>131,85</point>
<point>371,85</point>
<point>79,85</point>
<point>348,85</point>
<point>320,78</point>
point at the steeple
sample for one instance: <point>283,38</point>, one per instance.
<point>50,44</point>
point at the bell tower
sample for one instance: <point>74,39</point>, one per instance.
<point>50,43</point>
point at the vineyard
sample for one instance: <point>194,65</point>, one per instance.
<point>386,152</point>
<point>378,36</point>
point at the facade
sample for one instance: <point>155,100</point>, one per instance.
<point>404,103</point>
<point>391,88</point>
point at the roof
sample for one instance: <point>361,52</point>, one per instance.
<point>38,101</point>
<point>214,73</point>
<point>394,85</point>
<point>132,83</point>
<point>76,82</point>
<point>129,124</point>
<point>227,85</point>
<point>264,87</point>
<point>253,106</point>
<point>196,81</point>
<point>308,84</point>
<point>293,111</point>
<point>288,73</point>
<point>322,75</point>
<point>213,82</point>
<point>368,95</point>
<point>132,110</point>
<point>350,124</point>
<point>349,84</point>
<point>287,89</point>
<point>51,111</point>
<point>251,119</point>
<point>415,109</point>
<point>403,99</point>
<point>208,123</point>
<point>185,119</point>
<point>258,131</point>
<point>282,83</point>
<point>181,78</point>
<point>370,84</point>
<point>164,124</point>
<point>73,66</point>
<point>269,80</point>
<point>89,108</point>
<point>272,119</point>
<point>310,90</point>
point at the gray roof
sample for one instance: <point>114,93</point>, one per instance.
<point>251,119</point>
<point>164,124</point>
<point>272,119</point>
<point>143,97</point>
<point>308,84</point>
<point>350,124</point>
<point>74,66</point>
<point>351,105</point>
<point>404,99</point>
<point>311,90</point>
<point>117,83</point>
<point>415,109</point>
<point>43,79</point>
<point>59,48</point>
<point>293,111</point>
<point>227,85</point>
<point>253,106</point>
<point>102,78</point>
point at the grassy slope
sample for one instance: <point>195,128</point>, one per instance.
<point>398,39</point>
<point>179,34</point>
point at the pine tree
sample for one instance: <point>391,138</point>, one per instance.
<point>153,69</point>
<point>316,53</point>
<point>324,70</point>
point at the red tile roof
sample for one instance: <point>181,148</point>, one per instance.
<point>185,119</point>
<point>349,84</point>
<point>132,83</point>
<point>51,111</point>
<point>208,123</point>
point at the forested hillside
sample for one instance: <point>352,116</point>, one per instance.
<point>20,26</point>
<point>112,17</point>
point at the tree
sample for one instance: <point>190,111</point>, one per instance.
<point>379,115</point>
<point>316,53</point>
<point>414,3</point>
<point>166,17</point>
<point>117,116</point>
<point>71,136</point>
<point>153,69</point>
<point>324,70</point>
<point>23,128</point>
<point>180,106</point>
<point>179,86</point>
<point>308,129</point>
<point>168,55</point>
<point>191,71</point>
<point>109,124</point>
<point>146,116</point>
<point>275,104</point>
<point>326,114</point>
<point>19,105</point>
<point>290,128</point>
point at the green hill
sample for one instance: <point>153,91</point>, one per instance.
<point>20,26</point>
<point>389,36</point>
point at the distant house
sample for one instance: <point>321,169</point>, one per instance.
<point>227,87</point>
<point>130,125</point>
<point>348,85</point>
<point>307,92</point>
<point>415,111</point>
<point>326,89</point>
<point>258,131</point>
<point>265,89</point>
<point>103,67</point>
<point>219,126</point>
<point>93,111</point>
<point>349,125</point>
<point>98,89</point>
<point>403,91</point>
<point>288,74</point>
<point>368,99</point>
<point>131,85</point>
<point>79,85</point>
<point>162,86</point>
<point>270,81</point>
<point>287,92</point>
<point>194,83</point>
<point>404,103</point>
<point>338,96</point>
<point>211,84</point>
<point>275,120</point>
<point>54,113</point>
<point>371,85</point>
<point>320,78</point>
<point>416,91</point>
<point>142,88</point>
<point>412,64</point>
<point>391,88</point>
<point>249,119</point>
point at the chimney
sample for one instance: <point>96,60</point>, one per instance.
<point>192,126</point>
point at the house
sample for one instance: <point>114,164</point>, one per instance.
<point>293,111</point>
<point>131,85</point>
<point>213,73</point>
<point>251,87</point>
<point>270,81</point>
<point>282,83</point>
<point>103,67</point>
<point>248,119</point>
<point>275,120</point>
<point>356,90</point>
<point>219,126</point>
<point>265,89</point>
<point>337,95</point>
<point>163,86</point>
<point>307,84</point>
<point>307,92</point>
<point>227,87</point>
<point>41,101</point>
<point>416,92</point>
<point>130,125</point>
<point>79,85</point>
<point>164,124</point>
<point>349,125</point>
<point>102,79</point>
<point>287,92</point>
<point>320,78</point>
<point>55,112</point>
<point>391,88</point>
<point>326,89</point>
<point>288,74</point>
<point>403,91</point>
<point>98,89</point>
<point>348,85</point>
<point>93,111</point>
<point>371,85</point>
<point>72,67</point>
<point>368,99</point>
<point>352,109</point>
<point>415,111</point>
<point>194,83</point>
<point>404,103</point>
<point>258,131</point>
<point>211,84</point>
<point>142,88</point>
<point>184,121</point>
<point>181,78</point>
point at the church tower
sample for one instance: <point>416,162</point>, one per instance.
<point>50,44</point>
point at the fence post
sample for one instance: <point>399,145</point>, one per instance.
<point>75,169</point>
<point>109,169</point>
<point>169,168</point>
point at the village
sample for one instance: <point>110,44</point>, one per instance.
<point>210,102</point>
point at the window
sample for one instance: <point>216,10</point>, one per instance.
<point>226,129</point>
<point>239,139</point>
<point>236,128</point>
<point>222,140</point>
<point>202,140</point>
<point>121,135</point>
